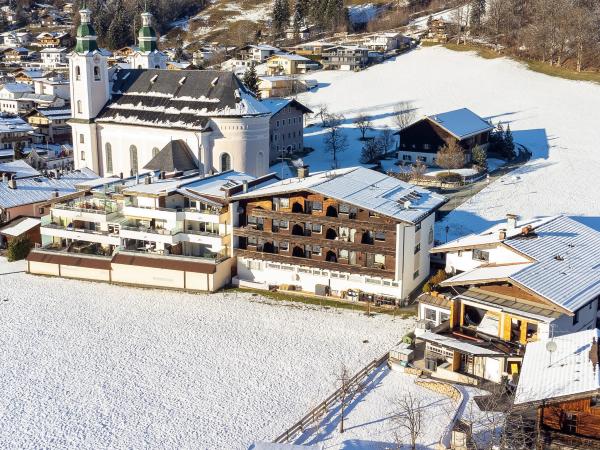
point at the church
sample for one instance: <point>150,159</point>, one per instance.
<point>122,118</point>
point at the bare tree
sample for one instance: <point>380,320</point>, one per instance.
<point>450,156</point>
<point>335,140</point>
<point>322,113</point>
<point>418,170</point>
<point>410,417</point>
<point>387,138</point>
<point>363,123</point>
<point>348,390</point>
<point>404,114</point>
<point>371,151</point>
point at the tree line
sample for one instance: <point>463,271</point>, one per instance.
<point>117,21</point>
<point>557,32</point>
<point>328,15</point>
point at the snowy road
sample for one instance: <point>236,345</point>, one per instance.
<point>557,119</point>
<point>89,365</point>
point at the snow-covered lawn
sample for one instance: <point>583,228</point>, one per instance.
<point>556,119</point>
<point>371,418</point>
<point>90,365</point>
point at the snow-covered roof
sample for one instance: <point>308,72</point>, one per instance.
<point>275,104</point>
<point>565,267</point>
<point>14,124</point>
<point>291,57</point>
<point>19,226</point>
<point>491,236</point>
<point>461,123</point>
<point>363,188</point>
<point>18,88</point>
<point>213,186</point>
<point>19,168</point>
<point>40,189</point>
<point>571,370</point>
<point>462,346</point>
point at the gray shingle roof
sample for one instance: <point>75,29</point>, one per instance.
<point>175,156</point>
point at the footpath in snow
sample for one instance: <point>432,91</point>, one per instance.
<point>556,119</point>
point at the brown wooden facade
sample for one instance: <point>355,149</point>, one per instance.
<point>309,229</point>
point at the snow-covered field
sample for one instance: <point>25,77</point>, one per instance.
<point>90,365</point>
<point>557,119</point>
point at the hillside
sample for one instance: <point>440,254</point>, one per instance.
<point>553,117</point>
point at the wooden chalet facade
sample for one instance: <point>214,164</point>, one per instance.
<point>331,245</point>
<point>423,139</point>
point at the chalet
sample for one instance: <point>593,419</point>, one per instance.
<point>515,283</point>
<point>282,86</point>
<point>52,123</point>
<point>315,48</point>
<point>44,156</point>
<point>560,380</point>
<point>437,31</point>
<point>344,57</point>
<point>423,139</point>
<point>161,230</point>
<point>289,64</point>
<point>53,39</point>
<point>15,38</point>
<point>53,58</point>
<point>352,233</point>
<point>286,127</point>
<point>28,75</point>
<point>28,227</point>
<point>16,55</point>
<point>14,130</point>
<point>257,53</point>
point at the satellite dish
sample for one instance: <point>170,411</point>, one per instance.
<point>407,204</point>
<point>551,346</point>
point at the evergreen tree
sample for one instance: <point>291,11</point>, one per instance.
<point>477,13</point>
<point>18,150</point>
<point>479,156</point>
<point>280,15</point>
<point>119,32</point>
<point>250,79</point>
<point>298,17</point>
<point>509,143</point>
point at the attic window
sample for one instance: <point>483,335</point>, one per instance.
<point>182,80</point>
<point>215,81</point>
<point>153,79</point>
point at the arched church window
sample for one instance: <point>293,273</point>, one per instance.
<point>155,151</point>
<point>109,161</point>
<point>96,73</point>
<point>225,162</point>
<point>77,73</point>
<point>79,108</point>
<point>133,158</point>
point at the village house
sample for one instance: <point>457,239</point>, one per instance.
<point>560,380</point>
<point>315,48</point>
<point>289,64</point>
<point>385,42</point>
<point>51,123</point>
<point>14,130</point>
<point>54,85</point>
<point>286,127</point>
<point>161,230</point>
<point>352,233</point>
<point>28,76</point>
<point>121,120</point>
<point>15,55</point>
<point>422,140</point>
<point>53,39</point>
<point>302,33</point>
<point>344,57</point>
<point>282,86</point>
<point>257,53</point>
<point>15,38</point>
<point>515,283</point>
<point>44,156</point>
<point>437,31</point>
<point>53,58</point>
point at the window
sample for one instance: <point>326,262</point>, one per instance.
<point>444,317</point>
<point>481,255</point>
<point>430,237</point>
<point>576,317</point>
<point>133,159</point>
<point>109,161</point>
<point>81,139</point>
<point>417,226</point>
<point>225,162</point>
<point>317,206</point>
<point>316,249</point>
<point>417,248</point>
<point>155,151</point>
<point>380,236</point>
<point>79,107</point>
<point>416,275</point>
<point>317,228</point>
<point>426,146</point>
<point>96,73</point>
<point>406,158</point>
<point>77,73</point>
<point>430,314</point>
<point>284,246</point>
<point>82,155</point>
<point>344,208</point>
<point>379,260</point>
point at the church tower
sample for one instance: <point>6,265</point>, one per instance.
<point>88,71</point>
<point>147,55</point>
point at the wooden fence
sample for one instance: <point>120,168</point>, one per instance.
<point>317,412</point>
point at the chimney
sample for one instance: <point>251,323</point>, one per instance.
<point>245,186</point>
<point>55,193</point>
<point>511,221</point>
<point>502,234</point>
<point>303,172</point>
<point>4,178</point>
<point>121,175</point>
<point>12,183</point>
<point>148,180</point>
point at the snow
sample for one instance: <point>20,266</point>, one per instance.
<point>91,365</point>
<point>556,119</point>
<point>369,422</point>
<point>20,226</point>
<point>363,13</point>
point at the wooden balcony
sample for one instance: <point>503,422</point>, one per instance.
<point>341,221</point>
<point>325,265</point>
<point>314,238</point>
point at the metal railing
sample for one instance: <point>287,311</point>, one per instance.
<point>106,211</point>
<point>161,231</point>
<point>78,230</point>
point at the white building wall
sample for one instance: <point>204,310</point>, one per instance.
<point>564,324</point>
<point>463,261</point>
<point>85,154</point>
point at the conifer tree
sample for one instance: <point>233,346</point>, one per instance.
<point>250,79</point>
<point>509,143</point>
<point>119,33</point>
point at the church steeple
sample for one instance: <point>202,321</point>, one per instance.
<point>147,36</point>
<point>86,35</point>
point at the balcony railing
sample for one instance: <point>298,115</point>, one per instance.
<point>161,231</point>
<point>78,230</point>
<point>203,233</point>
<point>100,211</point>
